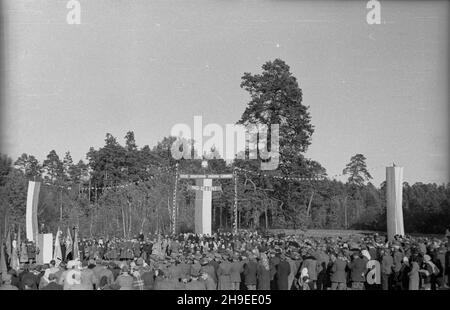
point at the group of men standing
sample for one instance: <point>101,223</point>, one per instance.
<point>246,261</point>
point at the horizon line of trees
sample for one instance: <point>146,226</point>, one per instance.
<point>145,205</point>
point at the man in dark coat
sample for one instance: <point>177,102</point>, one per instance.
<point>28,280</point>
<point>147,248</point>
<point>250,271</point>
<point>273,263</point>
<point>338,274</point>
<point>387,263</point>
<point>283,271</point>
<point>148,277</point>
<point>358,269</point>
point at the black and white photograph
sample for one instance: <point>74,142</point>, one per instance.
<point>228,146</point>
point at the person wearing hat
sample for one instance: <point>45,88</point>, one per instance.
<point>7,286</point>
<point>398,259</point>
<point>208,268</point>
<point>148,277</point>
<point>310,263</point>
<point>283,272</point>
<point>124,280</point>
<point>338,272</point>
<point>237,267</point>
<point>358,270</point>
<point>274,260</point>
<point>88,277</point>
<point>387,263</point>
<point>263,273</point>
<point>426,272</point>
<point>183,269</point>
<point>101,270</point>
<point>250,273</point>
<point>195,266</point>
<point>413,275</point>
<point>224,274</point>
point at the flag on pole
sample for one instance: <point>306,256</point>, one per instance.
<point>57,254</point>
<point>68,243</point>
<point>14,261</point>
<point>75,246</point>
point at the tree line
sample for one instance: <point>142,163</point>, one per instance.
<point>122,189</point>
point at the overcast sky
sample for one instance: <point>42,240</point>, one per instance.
<point>380,90</point>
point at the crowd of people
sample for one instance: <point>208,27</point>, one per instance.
<point>243,261</point>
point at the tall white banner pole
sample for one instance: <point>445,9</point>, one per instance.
<point>394,199</point>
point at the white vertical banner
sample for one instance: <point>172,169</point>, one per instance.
<point>31,213</point>
<point>394,197</point>
<point>45,249</point>
<point>203,204</point>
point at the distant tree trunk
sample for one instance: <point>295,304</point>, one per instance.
<point>123,222</point>
<point>60,209</point>
<point>266,216</point>
<point>345,214</point>
<point>90,225</point>
<point>239,219</point>
<point>220,217</point>
<point>308,210</point>
<point>226,221</point>
<point>129,219</point>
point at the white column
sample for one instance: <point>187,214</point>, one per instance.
<point>203,203</point>
<point>394,197</point>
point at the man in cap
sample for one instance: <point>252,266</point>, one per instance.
<point>236,269</point>
<point>250,273</point>
<point>88,278</point>
<point>387,263</point>
<point>195,267</point>
<point>125,280</point>
<point>358,269</point>
<point>283,271</point>
<point>101,270</point>
<point>338,272</point>
<point>310,263</point>
<point>224,273</point>
<point>397,259</point>
<point>208,268</point>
